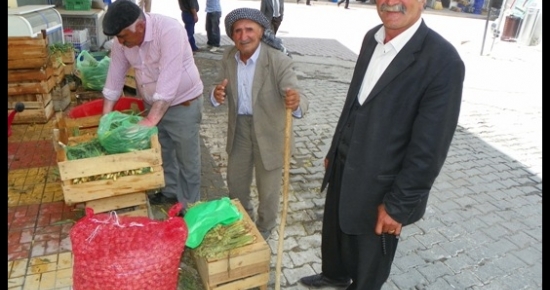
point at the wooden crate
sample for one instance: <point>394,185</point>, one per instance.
<point>61,97</point>
<point>27,52</point>
<point>34,88</point>
<point>242,268</point>
<point>38,108</point>
<point>131,204</point>
<point>82,95</point>
<point>35,74</point>
<point>69,170</point>
<point>130,80</point>
<point>69,68</point>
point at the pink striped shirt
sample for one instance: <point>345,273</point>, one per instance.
<point>164,65</point>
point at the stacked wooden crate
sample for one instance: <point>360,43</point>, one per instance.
<point>61,94</point>
<point>33,75</point>
<point>109,182</point>
<point>244,267</point>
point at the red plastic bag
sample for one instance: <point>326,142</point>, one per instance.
<point>112,252</point>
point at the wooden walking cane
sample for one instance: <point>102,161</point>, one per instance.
<point>286,169</point>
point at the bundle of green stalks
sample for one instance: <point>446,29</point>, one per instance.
<point>221,239</point>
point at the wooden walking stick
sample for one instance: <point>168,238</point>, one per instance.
<point>286,170</point>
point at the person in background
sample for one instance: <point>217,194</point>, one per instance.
<point>308,2</point>
<point>145,5</point>
<point>389,145</point>
<point>258,84</point>
<point>189,16</point>
<point>213,14</point>
<point>168,81</point>
<point>342,1</point>
<point>273,11</point>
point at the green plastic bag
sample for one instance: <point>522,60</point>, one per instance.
<point>204,216</point>
<point>92,72</point>
<point>120,133</point>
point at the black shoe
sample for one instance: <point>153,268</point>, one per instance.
<point>319,281</point>
<point>339,4</point>
<point>159,198</point>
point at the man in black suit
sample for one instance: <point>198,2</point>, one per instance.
<point>390,143</point>
<point>274,11</point>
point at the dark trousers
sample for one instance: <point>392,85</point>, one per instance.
<point>342,1</point>
<point>275,23</point>
<point>361,258</point>
<point>213,28</point>
<point>189,23</point>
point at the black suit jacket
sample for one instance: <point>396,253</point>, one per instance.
<point>402,132</point>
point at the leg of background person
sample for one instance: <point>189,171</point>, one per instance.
<point>347,4</point>
<point>147,5</point>
<point>275,23</point>
<point>240,165</point>
<point>216,36</point>
<point>209,26</point>
<point>189,23</point>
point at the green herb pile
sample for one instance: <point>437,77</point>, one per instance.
<point>221,239</point>
<point>87,149</point>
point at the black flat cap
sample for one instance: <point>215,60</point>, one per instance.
<point>120,14</point>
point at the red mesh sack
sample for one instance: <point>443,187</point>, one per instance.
<point>134,253</point>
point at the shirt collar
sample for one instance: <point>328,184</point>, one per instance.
<point>148,28</point>
<point>399,41</point>
<point>254,56</point>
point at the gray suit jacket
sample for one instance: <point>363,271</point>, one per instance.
<point>402,132</point>
<point>274,73</point>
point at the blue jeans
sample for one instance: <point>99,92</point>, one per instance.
<point>189,23</point>
<point>213,28</point>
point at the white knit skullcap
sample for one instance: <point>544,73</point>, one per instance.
<point>245,13</point>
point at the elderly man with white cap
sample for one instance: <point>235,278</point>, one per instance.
<point>258,84</point>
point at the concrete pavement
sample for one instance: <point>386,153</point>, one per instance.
<point>483,225</point>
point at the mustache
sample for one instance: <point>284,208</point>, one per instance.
<point>393,8</point>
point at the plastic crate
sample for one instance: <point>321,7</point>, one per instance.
<point>80,46</point>
<point>79,39</point>
<point>78,4</point>
<point>93,24</point>
<point>95,107</point>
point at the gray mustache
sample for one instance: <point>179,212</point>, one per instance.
<point>393,8</point>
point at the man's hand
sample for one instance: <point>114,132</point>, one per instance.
<point>108,106</point>
<point>386,224</point>
<point>219,92</point>
<point>292,99</point>
<point>146,122</point>
<point>132,130</point>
